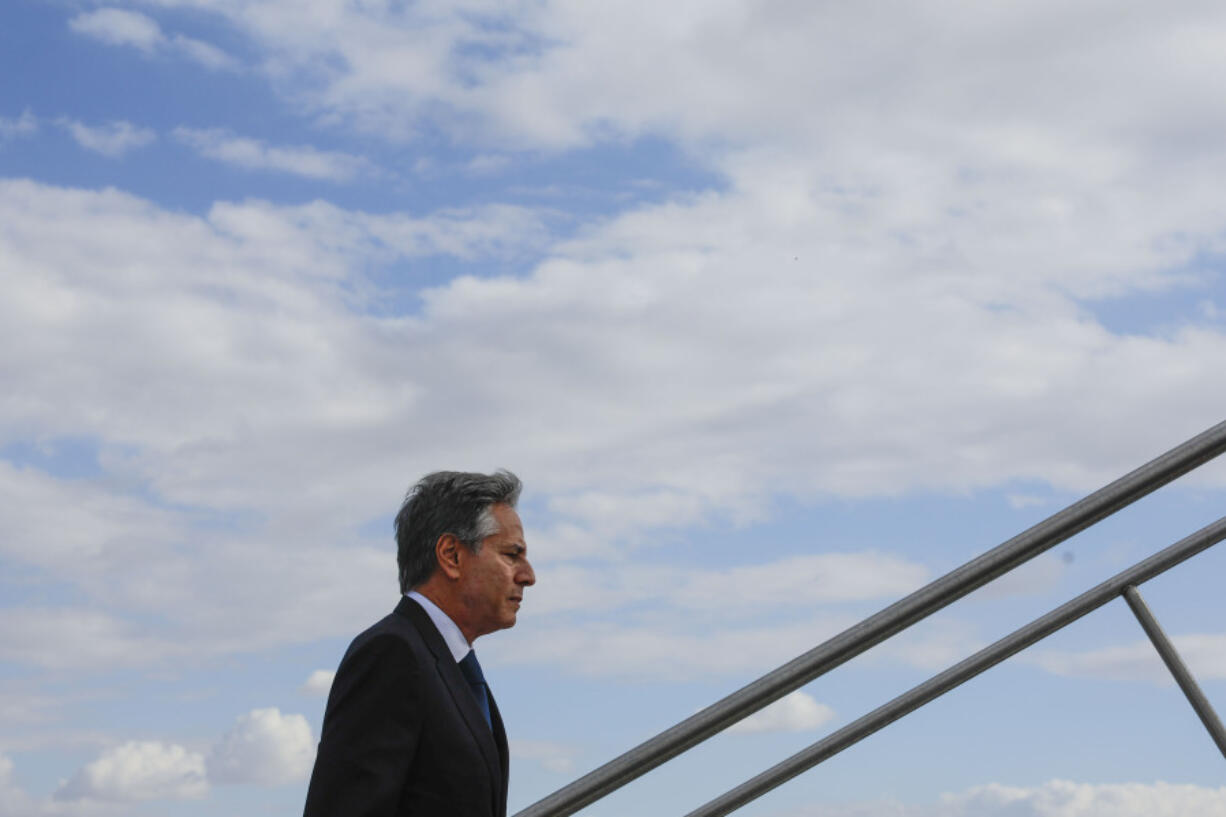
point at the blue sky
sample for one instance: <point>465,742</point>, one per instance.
<point>779,310</point>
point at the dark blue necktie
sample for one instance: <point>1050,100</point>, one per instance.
<point>472,673</point>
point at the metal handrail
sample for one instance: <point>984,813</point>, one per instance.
<point>880,626</point>
<point>963,671</point>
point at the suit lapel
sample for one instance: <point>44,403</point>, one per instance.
<point>480,730</point>
<point>461,694</point>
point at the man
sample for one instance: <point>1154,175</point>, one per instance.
<point>410,727</point>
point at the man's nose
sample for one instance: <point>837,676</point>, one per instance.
<point>527,576</point>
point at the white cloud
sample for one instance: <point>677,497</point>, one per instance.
<point>319,683</point>
<point>139,770</point>
<point>1067,799</point>
<point>96,525</point>
<point>1018,501</point>
<point>1056,798</point>
<point>1039,574</point>
<point>673,650</point>
<point>931,645</point>
<point>120,27</point>
<point>206,54</point>
<point>263,747</point>
<point>810,380</point>
<point>20,707</point>
<point>552,757</point>
<point>112,139</point>
<point>487,163</point>
<point>1204,653</point>
<point>252,154</point>
<point>803,580</point>
<point>266,280</point>
<point>75,638</point>
<point>13,801</point>
<point>641,348</point>
<point>24,125</point>
<point>797,581</point>
<point>115,26</point>
<point>620,515</point>
<point>661,642</point>
<point>890,162</point>
<point>795,712</point>
<point>739,72</point>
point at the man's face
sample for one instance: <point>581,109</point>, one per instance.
<point>493,579</point>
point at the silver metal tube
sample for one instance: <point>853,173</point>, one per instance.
<point>880,626</point>
<point>963,671</point>
<point>1174,663</point>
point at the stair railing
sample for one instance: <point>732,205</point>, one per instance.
<point>912,609</point>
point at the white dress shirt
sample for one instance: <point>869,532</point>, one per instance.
<point>448,629</point>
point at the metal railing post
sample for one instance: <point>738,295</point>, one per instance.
<point>1174,663</point>
<point>880,626</point>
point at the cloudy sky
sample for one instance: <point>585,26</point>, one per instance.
<point>780,309</point>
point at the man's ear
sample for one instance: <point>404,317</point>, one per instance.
<point>447,552</point>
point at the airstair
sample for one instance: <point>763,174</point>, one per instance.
<point>914,608</point>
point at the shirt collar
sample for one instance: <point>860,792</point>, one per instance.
<point>448,629</point>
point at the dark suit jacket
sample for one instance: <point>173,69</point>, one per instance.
<point>403,733</point>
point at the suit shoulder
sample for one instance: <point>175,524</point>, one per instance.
<point>393,640</point>
<point>393,624</point>
<point>385,661</point>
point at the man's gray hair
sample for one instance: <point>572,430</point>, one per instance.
<point>455,502</point>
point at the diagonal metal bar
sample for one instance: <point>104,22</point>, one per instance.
<point>963,671</point>
<point>1183,677</point>
<point>880,626</point>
